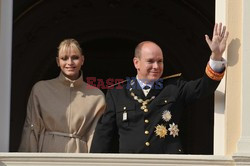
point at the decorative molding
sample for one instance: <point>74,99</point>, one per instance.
<point>244,141</point>
<point>63,159</point>
<point>241,160</point>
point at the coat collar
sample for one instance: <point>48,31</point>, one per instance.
<point>156,89</point>
<point>136,88</point>
<point>71,83</point>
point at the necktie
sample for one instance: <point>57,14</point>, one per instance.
<point>146,87</point>
<point>146,90</point>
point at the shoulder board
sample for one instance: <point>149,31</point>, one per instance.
<point>117,83</point>
<point>172,76</point>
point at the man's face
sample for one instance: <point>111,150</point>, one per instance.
<point>150,64</point>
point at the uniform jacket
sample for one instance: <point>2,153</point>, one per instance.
<point>61,116</point>
<point>152,127</point>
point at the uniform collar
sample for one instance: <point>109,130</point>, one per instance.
<point>137,89</point>
<point>71,83</point>
<point>144,83</point>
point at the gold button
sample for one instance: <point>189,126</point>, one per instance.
<point>146,120</point>
<point>145,110</point>
<point>124,108</point>
<point>165,101</point>
<point>146,132</point>
<point>147,143</point>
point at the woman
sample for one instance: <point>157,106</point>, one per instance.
<point>62,113</point>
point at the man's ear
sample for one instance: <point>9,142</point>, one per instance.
<point>57,61</point>
<point>136,62</point>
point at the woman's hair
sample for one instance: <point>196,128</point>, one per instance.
<point>69,43</point>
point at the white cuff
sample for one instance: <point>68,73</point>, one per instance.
<point>217,66</point>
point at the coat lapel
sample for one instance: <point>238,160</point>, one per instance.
<point>135,87</point>
<point>153,91</point>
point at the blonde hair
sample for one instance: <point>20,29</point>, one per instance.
<point>69,43</point>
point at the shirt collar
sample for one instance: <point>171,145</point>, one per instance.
<point>144,83</point>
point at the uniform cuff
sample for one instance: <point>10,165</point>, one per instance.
<point>212,74</point>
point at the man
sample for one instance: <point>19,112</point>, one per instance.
<point>144,115</point>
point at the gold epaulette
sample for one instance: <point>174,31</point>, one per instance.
<point>171,76</point>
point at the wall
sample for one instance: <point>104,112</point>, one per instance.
<point>5,71</point>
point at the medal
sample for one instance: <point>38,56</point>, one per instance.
<point>124,116</point>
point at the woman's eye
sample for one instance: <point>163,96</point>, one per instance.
<point>64,58</point>
<point>75,57</point>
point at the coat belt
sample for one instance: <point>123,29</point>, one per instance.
<point>66,135</point>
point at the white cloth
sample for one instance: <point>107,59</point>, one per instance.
<point>217,66</point>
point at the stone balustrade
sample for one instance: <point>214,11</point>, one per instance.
<point>72,159</point>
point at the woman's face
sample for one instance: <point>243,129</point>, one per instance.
<point>70,61</point>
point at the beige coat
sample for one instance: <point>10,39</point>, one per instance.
<point>61,116</point>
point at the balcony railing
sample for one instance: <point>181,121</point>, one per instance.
<point>72,159</point>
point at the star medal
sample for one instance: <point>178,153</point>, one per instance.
<point>166,115</point>
<point>173,128</point>
<point>161,131</point>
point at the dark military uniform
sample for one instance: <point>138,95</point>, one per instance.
<point>149,124</point>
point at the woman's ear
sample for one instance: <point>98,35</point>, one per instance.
<point>82,59</point>
<point>57,62</point>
